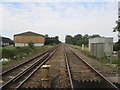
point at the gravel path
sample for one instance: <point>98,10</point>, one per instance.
<point>58,74</point>
<point>59,78</point>
<point>107,71</point>
<point>80,71</point>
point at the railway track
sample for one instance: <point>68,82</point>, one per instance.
<point>7,75</point>
<point>83,75</point>
<point>20,78</point>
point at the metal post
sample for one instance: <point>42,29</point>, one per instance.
<point>82,47</point>
<point>45,76</point>
<point>110,59</point>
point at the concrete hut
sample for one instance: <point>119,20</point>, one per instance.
<point>23,39</point>
<point>101,46</point>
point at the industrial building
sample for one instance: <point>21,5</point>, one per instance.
<point>23,39</point>
<point>101,46</point>
<point>4,41</point>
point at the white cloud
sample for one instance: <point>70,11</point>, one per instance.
<point>68,18</point>
<point>59,0</point>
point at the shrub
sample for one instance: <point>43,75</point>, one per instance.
<point>8,53</point>
<point>20,50</point>
<point>116,47</point>
<point>31,45</point>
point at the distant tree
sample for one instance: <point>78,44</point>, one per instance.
<point>117,29</point>
<point>79,39</point>
<point>83,40</point>
<point>94,35</point>
<point>51,40</point>
<point>86,36</point>
<point>46,35</point>
<point>69,39</point>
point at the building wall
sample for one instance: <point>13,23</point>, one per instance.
<point>100,50</point>
<point>100,45</point>
<point>97,50</point>
<point>96,40</point>
<point>26,39</point>
<point>108,46</point>
<point>25,44</point>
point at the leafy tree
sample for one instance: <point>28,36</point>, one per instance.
<point>79,39</point>
<point>69,39</point>
<point>51,40</point>
<point>31,45</point>
<point>86,36</point>
<point>94,35</point>
<point>117,29</point>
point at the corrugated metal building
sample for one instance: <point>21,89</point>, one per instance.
<point>23,39</point>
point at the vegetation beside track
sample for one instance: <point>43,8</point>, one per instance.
<point>106,59</point>
<point>19,54</point>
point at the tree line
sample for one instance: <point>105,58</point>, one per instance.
<point>79,39</point>
<point>51,40</point>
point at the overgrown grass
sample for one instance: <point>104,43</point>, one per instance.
<point>22,53</point>
<point>9,48</point>
<point>105,59</point>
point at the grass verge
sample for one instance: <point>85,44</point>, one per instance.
<point>23,56</point>
<point>106,59</point>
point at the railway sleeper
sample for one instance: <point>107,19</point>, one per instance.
<point>92,84</point>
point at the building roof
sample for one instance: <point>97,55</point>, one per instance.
<point>5,39</point>
<point>29,33</point>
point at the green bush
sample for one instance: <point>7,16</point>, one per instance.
<point>31,45</point>
<point>8,53</point>
<point>18,51</point>
<point>116,47</point>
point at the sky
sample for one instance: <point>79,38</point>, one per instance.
<point>59,18</point>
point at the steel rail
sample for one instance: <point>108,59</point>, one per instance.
<point>69,71</point>
<point>96,71</point>
<point>35,70</point>
<point>9,70</point>
<point>26,70</point>
<point>21,73</point>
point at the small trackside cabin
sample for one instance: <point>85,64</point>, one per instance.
<point>23,39</point>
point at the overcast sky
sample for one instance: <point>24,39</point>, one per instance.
<point>58,18</point>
